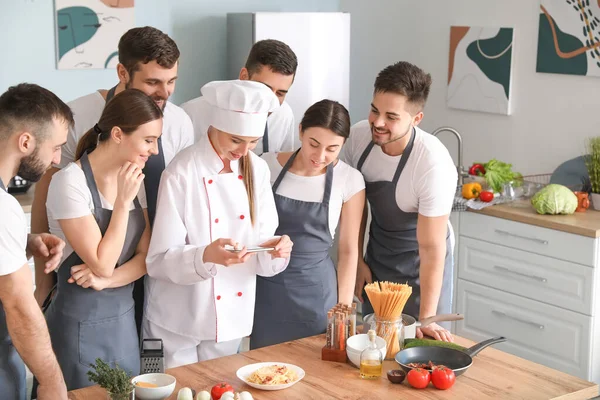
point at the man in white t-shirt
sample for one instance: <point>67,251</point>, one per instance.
<point>148,61</point>
<point>273,63</point>
<point>410,183</point>
<point>33,127</point>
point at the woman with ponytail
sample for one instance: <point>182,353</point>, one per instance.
<point>98,206</point>
<point>214,204</point>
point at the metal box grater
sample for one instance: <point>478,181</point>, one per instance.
<point>152,359</point>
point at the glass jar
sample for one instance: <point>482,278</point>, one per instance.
<point>392,331</point>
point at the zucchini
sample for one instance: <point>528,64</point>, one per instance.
<point>408,343</point>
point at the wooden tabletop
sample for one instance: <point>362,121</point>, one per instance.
<point>580,223</point>
<point>493,375</point>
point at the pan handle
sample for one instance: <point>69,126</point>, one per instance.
<point>474,350</point>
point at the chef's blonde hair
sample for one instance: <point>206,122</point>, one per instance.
<point>248,177</point>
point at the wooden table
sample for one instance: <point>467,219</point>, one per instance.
<point>493,375</point>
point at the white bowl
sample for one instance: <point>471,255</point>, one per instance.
<point>165,383</point>
<point>245,372</point>
<point>357,343</point>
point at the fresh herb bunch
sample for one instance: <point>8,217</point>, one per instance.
<point>592,162</point>
<point>114,380</point>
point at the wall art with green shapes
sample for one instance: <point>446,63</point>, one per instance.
<point>480,69</point>
<point>569,37</point>
<point>88,32</point>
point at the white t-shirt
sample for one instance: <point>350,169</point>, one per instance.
<point>347,181</point>
<point>280,125</point>
<point>70,197</point>
<point>177,134</point>
<point>428,182</point>
<point>13,234</point>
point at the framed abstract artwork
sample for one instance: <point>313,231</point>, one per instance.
<point>88,32</point>
<point>569,37</point>
<point>480,69</point>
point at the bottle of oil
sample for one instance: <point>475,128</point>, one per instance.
<point>371,360</point>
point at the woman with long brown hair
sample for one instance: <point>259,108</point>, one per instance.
<point>97,205</point>
<point>214,197</point>
<point>315,193</point>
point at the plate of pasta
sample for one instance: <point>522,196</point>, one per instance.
<point>270,375</point>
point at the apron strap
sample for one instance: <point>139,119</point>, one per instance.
<point>364,156</point>
<point>328,177</point>
<point>328,185</point>
<point>405,155</point>
<point>153,170</point>
<point>111,93</point>
<point>265,141</point>
<point>91,182</point>
<point>285,169</point>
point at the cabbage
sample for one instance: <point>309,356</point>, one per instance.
<point>554,199</point>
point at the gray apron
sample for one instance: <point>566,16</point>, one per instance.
<point>393,250</point>
<point>86,324</point>
<point>152,171</point>
<point>12,369</point>
<point>294,303</point>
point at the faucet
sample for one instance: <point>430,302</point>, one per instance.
<point>459,168</point>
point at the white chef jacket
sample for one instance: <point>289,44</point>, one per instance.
<point>280,124</point>
<point>197,205</point>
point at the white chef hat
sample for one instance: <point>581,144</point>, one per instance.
<point>240,107</point>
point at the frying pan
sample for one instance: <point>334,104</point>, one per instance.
<point>458,361</point>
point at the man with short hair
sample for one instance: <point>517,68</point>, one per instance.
<point>273,63</point>
<point>33,127</point>
<point>410,183</point>
<point>148,61</point>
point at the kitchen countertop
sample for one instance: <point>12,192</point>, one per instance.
<point>26,199</point>
<point>580,223</point>
<point>493,375</point>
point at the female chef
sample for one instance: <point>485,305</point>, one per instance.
<point>95,204</point>
<point>313,191</point>
<point>213,195</point>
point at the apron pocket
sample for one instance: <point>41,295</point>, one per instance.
<point>297,303</point>
<point>111,339</point>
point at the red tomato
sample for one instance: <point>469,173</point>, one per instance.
<point>486,196</point>
<point>418,378</point>
<point>442,377</point>
<point>217,391</point>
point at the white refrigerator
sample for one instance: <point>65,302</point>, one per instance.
<point>321,41</point>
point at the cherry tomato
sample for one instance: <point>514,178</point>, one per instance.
<point>486,196</point>
<point>442,377</point>
<point>418,378</point>
<point>217,391</point>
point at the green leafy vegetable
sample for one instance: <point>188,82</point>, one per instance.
<point>555,199</point>
<point>114,380</point>
<point>497,173</point>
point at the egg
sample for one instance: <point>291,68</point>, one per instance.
<point>203,395</point>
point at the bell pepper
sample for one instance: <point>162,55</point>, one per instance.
<point>471,190</point>
<point>477,169</point>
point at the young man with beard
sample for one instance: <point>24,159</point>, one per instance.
<point>33,127</point>
<point>148,61</point>
<point>270,62</point>
<point>410,183</point>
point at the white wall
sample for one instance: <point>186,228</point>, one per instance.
<point>552,114</point>
<point>27,51</point>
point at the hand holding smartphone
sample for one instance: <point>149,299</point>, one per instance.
<point>253,249</point>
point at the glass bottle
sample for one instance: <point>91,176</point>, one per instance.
<point>371,360</point>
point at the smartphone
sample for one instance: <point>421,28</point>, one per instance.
<point>254,249</point>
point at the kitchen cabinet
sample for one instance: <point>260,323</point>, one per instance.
<point>535,280</point>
